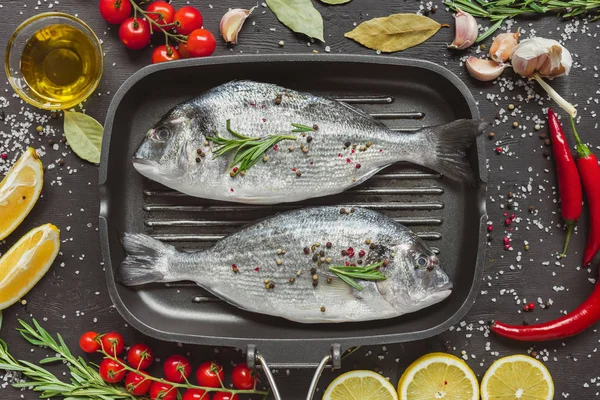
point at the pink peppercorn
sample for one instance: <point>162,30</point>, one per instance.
<point>506,240</point>
<point>490,228</point>
<point>507,221</point>
<point>498,150</point>
<point>4,156</point>
<point>361,253</point>
<point>512,216</point>
<point>507,247</point>
<point>357,166</point>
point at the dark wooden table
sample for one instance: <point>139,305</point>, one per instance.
<point>72,297</point>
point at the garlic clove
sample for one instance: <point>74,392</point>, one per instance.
<point>484,70</point>
<point>466,30</point>
<point>232,23</point>
<point>545,56</point>
<point>503,46</point>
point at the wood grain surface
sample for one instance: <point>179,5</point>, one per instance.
<point>72,298</point>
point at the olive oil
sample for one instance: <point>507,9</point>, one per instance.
<point>60,63</point>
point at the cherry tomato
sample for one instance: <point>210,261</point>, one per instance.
<point>225,396</point>
<point>140,356</point>
<point>115,11</point>
<point>210,374</point>
<point>187,19</point>
<point>165,13</point>
<point>177,368</point>
<point>164,53</point>
<point>113,343</point>
<point>162,391</point>
<point>243,377</point>
<point>89,342</point>
<point>135,33</point>
<point>183,51</point>
<point>195,394</point>
<point>201,43</point>
<point>112,371</point>
<point>137,384</point>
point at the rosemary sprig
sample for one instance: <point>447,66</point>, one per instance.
<point>348,274</point>
<point>499,10</point>
<point>248,150</point>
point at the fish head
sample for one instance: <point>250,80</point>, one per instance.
<point>168,149</point>
<point>415,279</point>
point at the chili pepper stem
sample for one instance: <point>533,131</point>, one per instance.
<point>564,104</point>
<point>582,150</point>
<point>570,226</point>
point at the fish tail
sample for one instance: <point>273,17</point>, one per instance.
<point>450,143</point>
<point>147,260</point>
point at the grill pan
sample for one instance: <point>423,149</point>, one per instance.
<point>405,94</point>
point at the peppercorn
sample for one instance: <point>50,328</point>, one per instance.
<point>344,252</point>
<point>231,173</point>
<point>329,279</point>
<point>235,268</point>
<point>511,107</point>
<point>510,195</point>
<point>306,250</point>
<point>386,262</point>
<point>361,253</point>
<point>543,135</point>
<point>342,210</point>
<point>265,158</point>
<point>278,262</point>
<point>305,149</point>
<point>359,261</point>
<point>507,221</point>
<point>315,283</point>
<point>526,247</point>
<point>328,260</point>
<point>309,139</point>
<point>515,124</point>
<point>322,309</point>
<point>372,246</point>
<point>347,144</point>
<point>299,272</point>
<point>531,209</point>
<point>546,154</point>
<point>278,99</point>
<point>281,43</point>
<point>315,277</point>
<point>292,279</point>
<point>509,206</point>
<point>63,139</point>
<point>61,162</point>
<point>328,245</point>
<point>315,257</point>
<point>489,238</point>
<point>547,142</point>
<point>498,150</point>
<point>298,174</point>
<point>362,148</point>
<point>315,127</point>
<point>313,271</point>
<point>491,135</point>
<point>198,151</point>
<point>369,144</point>
<point>534,353</point>
<point>352,209</point>
<point>322,253</point>
<point>548,304</point>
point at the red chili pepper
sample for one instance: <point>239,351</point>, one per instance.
<point>569,184</point>
<point>577,321</point>
<point>587,163</point>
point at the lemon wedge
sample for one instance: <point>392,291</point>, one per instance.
<point>19,191</point>
<point>360,385</point>
<point>517,377</point>
<point>26,262</point>
<point>438,376</point>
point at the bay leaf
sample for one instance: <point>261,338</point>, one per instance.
<point>395,32</point>
<point>84,135</point>
<point>335,1</point>
<point>300,16</point>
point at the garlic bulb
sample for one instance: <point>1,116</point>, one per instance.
<point>503,46</point>
<point>484,70</point>
<point>545,56</point>
<point>540,58</point>
<point>232,23</point>
<point>466,30</point>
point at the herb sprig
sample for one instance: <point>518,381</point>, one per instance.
<point>348,274</point>
<point>248,150</point>
<point>500,10</point>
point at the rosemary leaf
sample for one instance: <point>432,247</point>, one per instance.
<point>490,30</point>
<point>349,281</point>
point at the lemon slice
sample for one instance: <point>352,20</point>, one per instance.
<point>517,377</point>
<point>19,191</point>
<point>360,385</point>
<point>438,376</point>
<point>26,262</point>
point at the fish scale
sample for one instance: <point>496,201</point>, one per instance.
<point>170,151</point>
<point>414,278</point>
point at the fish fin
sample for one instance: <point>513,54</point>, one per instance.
<point>147,260</point>
<point>450,143</point>
<point>361,113</point>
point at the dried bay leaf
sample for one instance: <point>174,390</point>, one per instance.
<point>300,16</point>
<point>395,32</point>
<point>335,2</point>
<point>84,135</point>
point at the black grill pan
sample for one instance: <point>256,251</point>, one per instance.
<point>405,94</point>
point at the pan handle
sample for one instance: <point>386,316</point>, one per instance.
<point>332,360</point>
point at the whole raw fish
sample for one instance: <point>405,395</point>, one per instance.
<point>337,146</point>
<point>280,266</point>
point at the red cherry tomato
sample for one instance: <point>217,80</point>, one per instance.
<point>243,377</point>
<point>111,371</point>
<point>161,12</point>
<point>162,391</point>
<point>187,19</point>
<point>164,53</point>
<point>134,33</point>
<point>140,356</point>
<point>177,368</point>
<point>195,394</point>
<point>89,342</point>
<point>225,396</point>
<point>115,11</point>
<point>183,51</point>
<point>137,384</point>
<point>113,343</point>
<point>201,43</point>
<point>210,374</point>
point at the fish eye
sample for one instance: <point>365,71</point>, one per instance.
<point>161,134</point>
<point>422,261</point>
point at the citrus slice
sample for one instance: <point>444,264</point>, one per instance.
<point>517,377</point>
<point>438,376</point>
<point>19,191</point>
<point>360,385</point>
<point>26,262</point>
